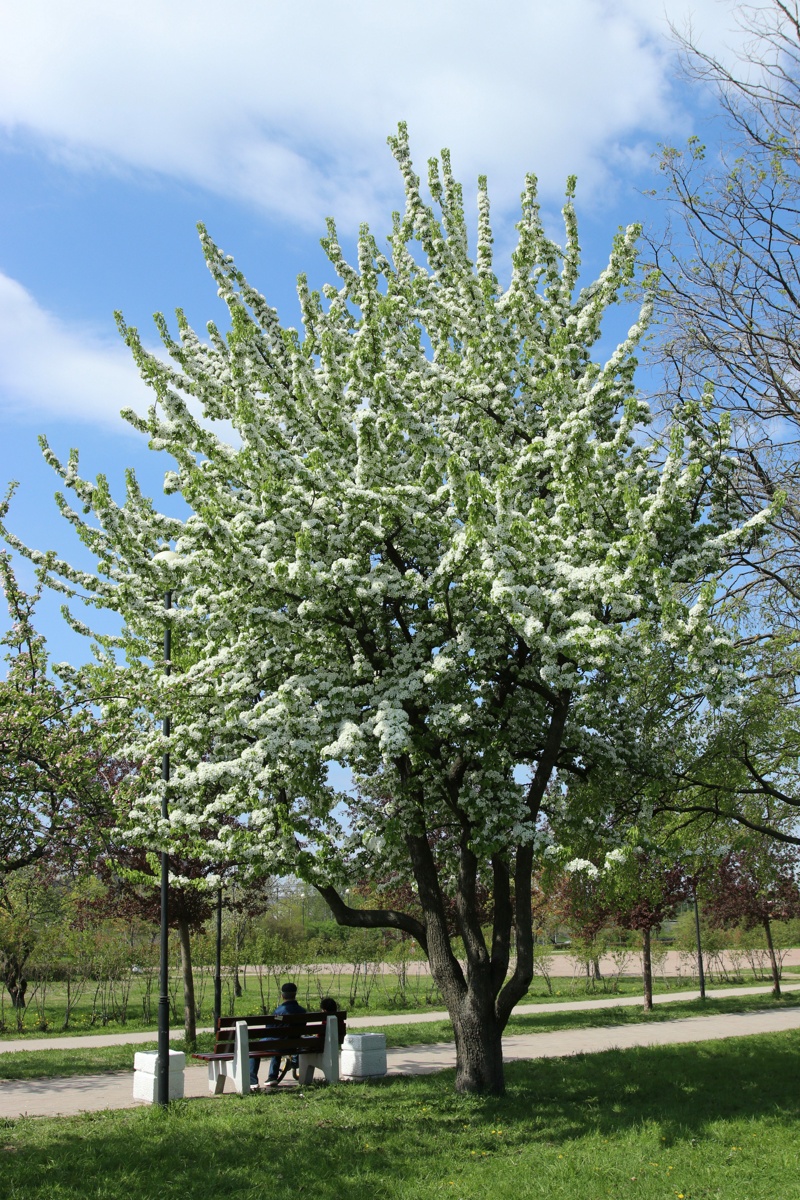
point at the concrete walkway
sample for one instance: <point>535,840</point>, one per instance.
<point>93,1040</point>
<point>91,1093</point>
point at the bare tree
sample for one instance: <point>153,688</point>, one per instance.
<point>730,284</point>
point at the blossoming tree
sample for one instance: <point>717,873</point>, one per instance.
<point>434,551</point>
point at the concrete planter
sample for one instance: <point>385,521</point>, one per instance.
<point>145,1065</point>
<point>363,1056</point>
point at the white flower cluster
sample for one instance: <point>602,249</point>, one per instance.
<point>615,857</point>
<point>434,553</point>
<point>582,866</point>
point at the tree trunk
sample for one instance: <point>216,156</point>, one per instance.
<point>647,971</point>
<point>16,984</point>
<point>480,999</point>
<point>189,1018</point>
<point>16,991</point>
<point>773,961</point>
<point>479,1049</point>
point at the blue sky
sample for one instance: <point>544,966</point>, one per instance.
<point>123,125</point>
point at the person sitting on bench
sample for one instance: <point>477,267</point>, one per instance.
<point>288,1006</point>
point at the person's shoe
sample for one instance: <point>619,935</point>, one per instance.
<point>271,1083</point>
<point>254,1088</point>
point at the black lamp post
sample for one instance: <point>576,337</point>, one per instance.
<point>693,877</point>
<point>700,971</point>
<point>162,1081</point>
<point>167,558</point>
<point>218,964</point>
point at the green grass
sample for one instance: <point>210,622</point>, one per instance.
<point>55,1064</point>
<point>710,1121</point>
<point>49,1064</point>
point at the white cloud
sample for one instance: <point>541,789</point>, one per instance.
<point>286,103</point>
<point>66,372</point>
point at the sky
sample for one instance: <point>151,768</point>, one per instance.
<point>122,125</point>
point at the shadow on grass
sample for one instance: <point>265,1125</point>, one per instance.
<point>335,1142</point>
<point>683,1089</point>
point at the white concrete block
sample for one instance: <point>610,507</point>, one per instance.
<point>363,1056</point>
<point>145,1079</point>
<point>147,1061</point>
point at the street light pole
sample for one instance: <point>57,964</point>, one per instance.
<point>700,972</point>
<point>218,966</point>
<point>162,1081</point>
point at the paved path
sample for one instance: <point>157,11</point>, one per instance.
<point>562,965</point>
<point>93,1040</point>
<point>90,1093</point>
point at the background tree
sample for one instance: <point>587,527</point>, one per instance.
<point>132,889</point>
<point>50,745</point>
<point>703,761</point>
<point>729,307</point>
<point>438,554</point>
<point>729,297</point>
<point>579,896</point>
<point>131,875</point>
<point>644,891</point>
<point>27,901</point>
<point>755,885</point>
<point>724,763</point>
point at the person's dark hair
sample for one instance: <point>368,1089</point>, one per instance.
<point>328,1005</point>
<point>289,989</point>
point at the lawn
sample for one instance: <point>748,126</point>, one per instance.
<point>710,1121</point>
<point>53,1063</point>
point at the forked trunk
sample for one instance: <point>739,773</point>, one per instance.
<point>480,995</point>
<point>773,960</point>
<point>189,1018</point>
<point>17,992</point>
<point>479,1051</point>
<point>16,985</point>
<point>647,971</point>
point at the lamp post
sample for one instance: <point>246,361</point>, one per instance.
<point>700,972</point>
<point>162,1083</point>
<point>218,963</point>
<point>168,558</point>
<point>701,975</point>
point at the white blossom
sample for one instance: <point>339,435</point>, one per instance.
<point>437,536</point>
<point>581,866</point>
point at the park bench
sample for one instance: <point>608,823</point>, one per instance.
<point>315,1038</point>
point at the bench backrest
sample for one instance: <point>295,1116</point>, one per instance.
<point>280,1033</point>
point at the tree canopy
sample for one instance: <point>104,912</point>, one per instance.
<point>437,550</point>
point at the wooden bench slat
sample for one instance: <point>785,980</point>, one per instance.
<point>274,1035</point>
